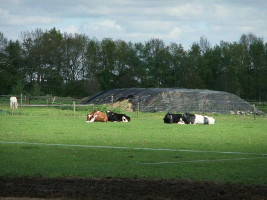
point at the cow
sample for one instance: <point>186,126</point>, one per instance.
<point>13,103</point>
<point>115,117</point>
<point>197,119</point>
<point>97,116</point>
<point>173,118</point>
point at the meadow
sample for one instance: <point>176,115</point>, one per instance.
<point>52,142</point>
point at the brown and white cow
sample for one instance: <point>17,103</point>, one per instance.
<point>97,116</point>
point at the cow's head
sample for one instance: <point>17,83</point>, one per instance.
<point>185,116</point>
<point>125,118</point>
<point>91,117</point>
<point>168,118</point>
<point>181,121</point>
<point>109,113</point>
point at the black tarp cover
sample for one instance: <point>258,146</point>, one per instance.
<point>173,100</point>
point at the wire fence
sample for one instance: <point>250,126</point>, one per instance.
<point>224,107</point>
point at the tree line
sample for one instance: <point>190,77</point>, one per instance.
<point>62,64</point>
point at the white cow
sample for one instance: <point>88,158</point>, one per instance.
<point>13,103</point>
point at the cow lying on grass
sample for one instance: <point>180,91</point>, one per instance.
<point>197,119</point>
<point>188,118</point>
<point>173,118</point>
<point>115,117</point>
<point>97,116</point>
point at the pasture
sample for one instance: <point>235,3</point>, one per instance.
<point>51,142</point>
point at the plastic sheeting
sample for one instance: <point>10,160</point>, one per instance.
<point>174,100</point>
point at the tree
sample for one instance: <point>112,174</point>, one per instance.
<point>14,66</point>
<point>125,64</point>
<point>156,62</point>
<point>176,71</point>
<point>192,69</point>
<point>34,58</point>
<point>257,54</point>
<point>254,66</point>
<point>74,49</point>
<point>3,65</point>
<point>214,60</point>
<point>52,42</point>
<point>204,45</point>
<point>106,69</point>
<point>46,62</point>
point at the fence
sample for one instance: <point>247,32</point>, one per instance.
<point>204,107</point>
<point>42,101</point>
<point>32,100</point>
<point>261,105</point>
<point>221,107</point>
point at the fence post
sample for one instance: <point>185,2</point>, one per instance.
<point>112,101</point>
<point>138,107</point>
<point>21,101</point>
<point>12,109</point>
<point>74,109</point>
<point>254,111</point>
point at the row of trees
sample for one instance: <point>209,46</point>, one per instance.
<point>45,62</point>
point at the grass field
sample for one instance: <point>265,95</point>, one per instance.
<point>148,148</point>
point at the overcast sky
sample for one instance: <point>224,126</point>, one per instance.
<point>179,21</point>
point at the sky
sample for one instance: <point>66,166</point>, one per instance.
<point>179,21</point>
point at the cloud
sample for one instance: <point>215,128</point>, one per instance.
<point>102,28</point>
<point>19,20</point>
<point>187,10</point>
<point>70,29</point>
<point>182,21</point>
<point>175,33</point>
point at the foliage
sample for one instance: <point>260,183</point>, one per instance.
<point>18,88</point>
<point>36,90</point>
<point>65,64</point>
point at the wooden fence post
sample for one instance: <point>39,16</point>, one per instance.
<point>138,108</point>
<point>254,111</point>
<point>21,101</point>
<point>112,101</point>
<point>74,109</point>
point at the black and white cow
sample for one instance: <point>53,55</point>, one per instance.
<point>115,117</point>
<point>173,118</point>
<point>197,119</point>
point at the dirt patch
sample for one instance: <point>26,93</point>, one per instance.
<point>80,188</point>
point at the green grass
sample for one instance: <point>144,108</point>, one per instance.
<point>56,126</point>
